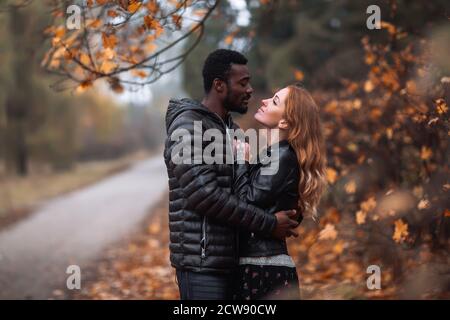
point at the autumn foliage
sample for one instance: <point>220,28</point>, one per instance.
<point>388,142</point>
<point>125,42</point>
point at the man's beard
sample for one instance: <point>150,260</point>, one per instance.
<point>230,106</point>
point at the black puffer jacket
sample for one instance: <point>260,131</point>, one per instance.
<point>203,213</point>
<point>273,192</point>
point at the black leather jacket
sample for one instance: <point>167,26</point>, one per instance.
<point>203,212</point>
<point>274,193</point>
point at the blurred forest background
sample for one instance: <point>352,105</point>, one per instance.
<point>383,95</point>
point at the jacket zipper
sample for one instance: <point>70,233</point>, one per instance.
<point>236,253</point>
<point>203,242</point>
<point>229,138</point>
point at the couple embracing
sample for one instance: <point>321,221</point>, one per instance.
<point>229,221</point>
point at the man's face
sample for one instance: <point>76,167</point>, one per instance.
<point>239,90</point>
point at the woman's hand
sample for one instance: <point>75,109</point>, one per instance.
<point>242,148</point>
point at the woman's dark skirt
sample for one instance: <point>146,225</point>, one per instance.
<point>255,282</point>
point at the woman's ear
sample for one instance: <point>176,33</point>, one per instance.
<point>282,124</point>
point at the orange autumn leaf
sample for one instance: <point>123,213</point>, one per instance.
<point>352,271</point>
<point>368,86</point>
<point>328,233</point>
<point>95,23</point>
<point>357,104</point>
<point>331,175</point>
<point>350,187</point>
<point>411,87</point>
<point>56,41</point>
<point>154,228</point>
<point>369,204</point>
<point>441,106</point>
<point>112,13</point>
<point>177,20</point>
<point>159,30</point>
<point>109,41</point>
<point>339,247</point>
<point>352,147</point>
<point>134,49</point>
<point>369,58</point>
<point>332,216</point>
<point>139,73</point>
<point>388,26</point>
<point>150,47</point>
<point>108,66</point>
<point>152,6</point>
<point>423,204</point>
<point>153,24</point>
<point>390,80</point>
<point>401,231</point>
<point>425,153</point>
<point>70,53</point>
<point>229,39</point>
<point>128,59</point>
<point>148,21</point>
<point>83,86</point>
<point>79,72</point>
<point>84,59</point>
<point>299,75</point>
<point>447,213</point>
<point>389,133</point>
<point>361,217</point>
<point>55,63</point>
<point>133,6</point>
<point>60,32</point>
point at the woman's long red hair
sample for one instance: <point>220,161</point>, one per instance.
<point>305,136</point>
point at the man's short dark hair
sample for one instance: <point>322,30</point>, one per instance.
<point>218,64</point>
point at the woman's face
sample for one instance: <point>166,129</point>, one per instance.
<point>271,112</point>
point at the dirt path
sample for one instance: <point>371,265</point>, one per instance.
<point>75,229</point>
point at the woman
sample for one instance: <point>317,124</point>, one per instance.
<point>266,271</point>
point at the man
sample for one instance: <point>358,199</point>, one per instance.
<point>204,215</point>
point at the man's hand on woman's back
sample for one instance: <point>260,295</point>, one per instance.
<point>285,225</point>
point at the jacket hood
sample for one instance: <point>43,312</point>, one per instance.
<point>178,106</point>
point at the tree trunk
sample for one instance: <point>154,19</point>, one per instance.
<point>19,96</point>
